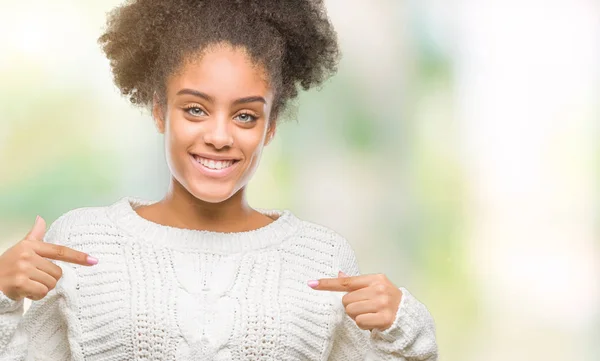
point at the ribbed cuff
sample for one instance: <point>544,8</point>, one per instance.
<point>408,324</point>
<point>7,304</point>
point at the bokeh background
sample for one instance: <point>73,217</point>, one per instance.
<point>457,149</point>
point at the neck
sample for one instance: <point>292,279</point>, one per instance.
<point>180,208</point>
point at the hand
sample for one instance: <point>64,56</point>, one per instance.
<point>372,301</point>
<point>24,272</point>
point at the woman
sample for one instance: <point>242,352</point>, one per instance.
<point>201,275</point>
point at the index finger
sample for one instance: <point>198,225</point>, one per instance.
<point>62,253</point>
<point>341,284</point>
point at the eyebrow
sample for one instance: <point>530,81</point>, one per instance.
<point>250,99</point>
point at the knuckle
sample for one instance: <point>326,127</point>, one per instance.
<point>360,322</point>
<point>345,300</point>
<point>38,296</point>
<point>348,310</point>
<point>59,250</point>
<point>20,283</point>
<point>380,288</point>
<point>345,282</point>
<point>25,255</point>
<point>22,266</point>
<point>52,285</point>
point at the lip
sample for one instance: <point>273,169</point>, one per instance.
<point>214,157</point>
<point>213,173</point>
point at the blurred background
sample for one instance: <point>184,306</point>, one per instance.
<point>457,149</point>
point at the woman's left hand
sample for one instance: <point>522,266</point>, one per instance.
<point>372,301</point>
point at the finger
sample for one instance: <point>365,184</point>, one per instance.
<point>32,290</point>
<point>368,321</point>
<point>343,284</point>
<point>43,278</point>
<point>362,294</point>
<point>48,267</point>
<point>363,307</point>
<point>62,253</point>
<point>38,230</point>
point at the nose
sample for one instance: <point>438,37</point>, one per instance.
<point>218,133</point>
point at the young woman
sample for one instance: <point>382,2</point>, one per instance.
<point>200,274</point>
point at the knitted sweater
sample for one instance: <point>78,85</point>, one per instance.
<point>163,293</point>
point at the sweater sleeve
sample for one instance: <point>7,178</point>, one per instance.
<point>410,338</point>
<point>41,332</point>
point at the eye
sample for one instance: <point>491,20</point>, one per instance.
<point>246,117</point>
<point>195,111</point>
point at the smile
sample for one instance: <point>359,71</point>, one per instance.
<point>214,168</point>
<point>214,164</point>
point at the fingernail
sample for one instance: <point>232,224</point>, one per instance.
<point>313,284</point>
<point>342,274</point>
<point>91,260</point>
<point>37,218</point>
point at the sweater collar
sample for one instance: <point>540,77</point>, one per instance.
<point>123,214</point>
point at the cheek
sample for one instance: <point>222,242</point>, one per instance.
<point>180,134</point>
<point>252,146</point>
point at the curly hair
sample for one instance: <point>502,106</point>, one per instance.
<point>147,41</point>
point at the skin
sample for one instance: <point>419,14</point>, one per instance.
<point>25,270</point>
<point>218,103</point>
<point>231,117</point>
<point>372,301</point>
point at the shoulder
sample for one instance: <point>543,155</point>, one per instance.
<point>314,233</point>
<point>315,237</point>
<point>75,221</point>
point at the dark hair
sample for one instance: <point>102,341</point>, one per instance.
<point>148,40</point>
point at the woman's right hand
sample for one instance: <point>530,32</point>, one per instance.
<point>25,271</point>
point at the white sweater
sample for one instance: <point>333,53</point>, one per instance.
<point>163,293</point>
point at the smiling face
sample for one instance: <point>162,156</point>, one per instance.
<point>216,122</point>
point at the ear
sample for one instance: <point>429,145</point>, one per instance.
<point>271,131</point>
<point>158,114</point>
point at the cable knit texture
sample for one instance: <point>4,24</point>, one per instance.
<point>164,293</point>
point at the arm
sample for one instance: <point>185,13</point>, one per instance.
<point>40,333</point>
<point>42,330</point>
<point>10,316</point>
<point>411,337</point>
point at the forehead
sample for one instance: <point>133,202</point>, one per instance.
<point>221,70</point>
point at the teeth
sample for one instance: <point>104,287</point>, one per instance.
<point>212,164</point>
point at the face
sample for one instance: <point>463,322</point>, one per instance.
<point>216,122</point>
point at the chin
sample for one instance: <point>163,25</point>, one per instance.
<point>211,194</point>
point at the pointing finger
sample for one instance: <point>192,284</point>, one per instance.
<point>65,254</point>
<point>342,284</point>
